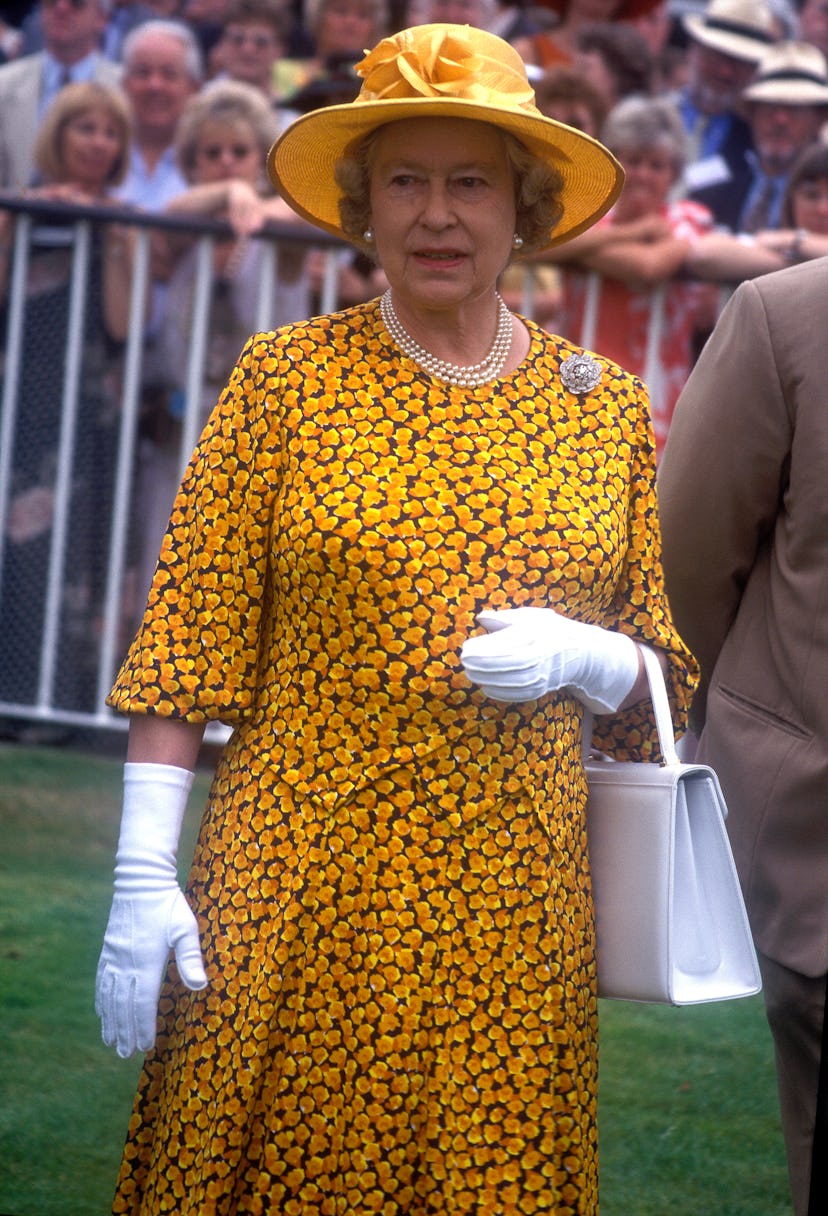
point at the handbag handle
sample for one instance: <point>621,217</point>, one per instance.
<point>661,705</point>
<point>661,709</point>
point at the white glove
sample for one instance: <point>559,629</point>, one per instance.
<point>531,651</point>
<point>149,914</point>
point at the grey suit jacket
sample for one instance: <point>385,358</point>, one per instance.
<point>20,86</point>
<point>743,492</point>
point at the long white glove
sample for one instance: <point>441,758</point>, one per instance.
<point>531,651</point>
<point>149,914</point>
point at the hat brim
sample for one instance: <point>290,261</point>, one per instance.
<point>301,162</point>
<point>789,93</point>
<point>738,46</point>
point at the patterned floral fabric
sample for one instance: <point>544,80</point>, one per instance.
<point>391,878</point>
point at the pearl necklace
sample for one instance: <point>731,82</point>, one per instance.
<point>471,376</point>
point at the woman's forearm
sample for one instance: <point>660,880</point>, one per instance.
<point>118,262</point>
<point>726,258</point>
<point>641,687</point>
<point>157,740</point>
<point>640,265</point>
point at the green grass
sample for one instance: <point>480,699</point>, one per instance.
<point>688,1116</point>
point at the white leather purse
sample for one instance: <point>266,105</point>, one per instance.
<point>670,918</point>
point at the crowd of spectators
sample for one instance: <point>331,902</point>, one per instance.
<point>742,85</point>
<point>718,110</point>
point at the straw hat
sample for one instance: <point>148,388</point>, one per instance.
<point>742,29</point>
<point>452,71</point>
<point>792,73</point>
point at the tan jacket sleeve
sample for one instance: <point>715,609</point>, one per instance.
<point>721,477</point>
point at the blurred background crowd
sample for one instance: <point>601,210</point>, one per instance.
<point>718,112</point>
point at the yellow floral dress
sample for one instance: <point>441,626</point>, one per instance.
<point>391,878</point>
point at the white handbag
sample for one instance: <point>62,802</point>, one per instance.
<point>670,918</point>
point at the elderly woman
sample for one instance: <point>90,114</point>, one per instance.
<point>632,306</point>
<point>396,1006</point>
<point>221,145</point>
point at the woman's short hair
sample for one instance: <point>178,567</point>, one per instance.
<point>225,101</point>
<point>72,101</point>
<point>810,166</point>
<point>625,54</point>
<point>646,122</point>
<point>560,87</point>
<point>177,30</point>
<point>314,11</point>
<point>538,188</point>
<point>272,13</point>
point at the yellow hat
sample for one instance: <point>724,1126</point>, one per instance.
<point>452,71</point>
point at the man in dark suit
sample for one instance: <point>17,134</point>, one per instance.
<point>745,528</point>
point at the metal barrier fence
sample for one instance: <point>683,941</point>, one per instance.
<point>71,440</point>
<point>73,522</point>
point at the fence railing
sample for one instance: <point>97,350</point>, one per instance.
<point>71,523</point>
<point>47,381</point>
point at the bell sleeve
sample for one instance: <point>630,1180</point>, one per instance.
<point>196,654</point>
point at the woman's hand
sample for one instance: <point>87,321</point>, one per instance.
<point>65,192</point>
<point>246,210</point>
<point>528,652</point>
<point>149,915</point>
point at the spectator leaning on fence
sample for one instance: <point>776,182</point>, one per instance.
<point>222,144</point>
<point>632,303</point>
<point>731,258</point>
<point>72,32</point>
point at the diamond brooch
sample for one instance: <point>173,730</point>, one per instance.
<point>580,373</point>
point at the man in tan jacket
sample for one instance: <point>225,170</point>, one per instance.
<point>72,33</point>
<point>743,490</point>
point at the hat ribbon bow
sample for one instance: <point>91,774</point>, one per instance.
<point>439,64</point>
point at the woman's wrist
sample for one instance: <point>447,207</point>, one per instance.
<point>117,245</point>
<point>796,249</point>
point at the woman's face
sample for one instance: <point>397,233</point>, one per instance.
<point>592,67</point>
<point>92,144</point>
<point>574,113</point>
<point>810,205</point>
<point>442,210</point>
<point>345,26</point>
<point>226,149</point>
<point>649,176</point>
<point>248,51</point>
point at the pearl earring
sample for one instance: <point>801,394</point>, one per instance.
<point>368,235</point>
<point>517,242</point>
